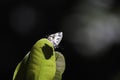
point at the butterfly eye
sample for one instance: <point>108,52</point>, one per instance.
<point>51,37</point>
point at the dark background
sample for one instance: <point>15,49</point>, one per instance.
<point>24,22</point>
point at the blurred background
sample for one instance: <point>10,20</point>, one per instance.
<point>91,28</point>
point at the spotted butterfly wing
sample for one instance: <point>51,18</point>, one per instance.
<point>56,38</point>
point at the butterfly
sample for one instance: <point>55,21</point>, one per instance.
<point>55,38</point>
